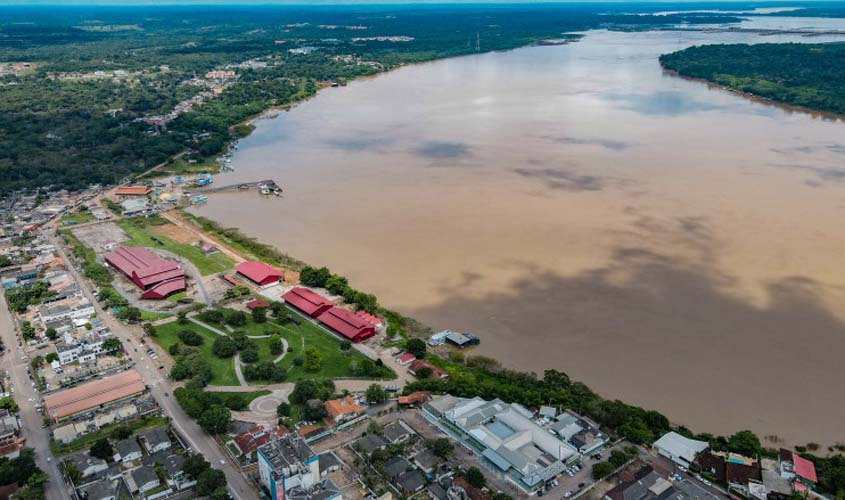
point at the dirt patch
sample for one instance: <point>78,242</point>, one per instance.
<point>98,235</point>
<point>176,233</point>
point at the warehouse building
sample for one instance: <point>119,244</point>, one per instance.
<point>307,302</point>
<point>347,324</point>
<point>156,277</point>
<point>259,273</point>
<point>94,395</point>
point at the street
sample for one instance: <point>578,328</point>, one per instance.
<point>31,421</point>
<point>196,438</point>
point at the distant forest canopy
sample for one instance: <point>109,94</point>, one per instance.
<point>807,75</point>
<point>68,121</point>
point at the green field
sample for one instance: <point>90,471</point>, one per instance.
<point>248,396</point>
<point>140,232</point>
<point>222,368</point>
<point>153,316</point>
<point>76,218</point>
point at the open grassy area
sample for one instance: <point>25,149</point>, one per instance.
<point>248,397</point>
<point>87,440</point>
<point>141,231</point>
<point>153,316</point>
<point>223,369</point>
<point>176,297</point>
<point>76,218</point>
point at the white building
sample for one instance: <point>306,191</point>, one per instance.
<point>678,448</point>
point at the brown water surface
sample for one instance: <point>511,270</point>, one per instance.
<point>669,244</point>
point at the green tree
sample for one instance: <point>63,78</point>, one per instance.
<point>441,447</point>
<point>120,432</point>
<point>416,347</point>
<point>224,347</point>
<point>745,443</point>
<point>112,344</point>
<point>476,478</point>
<point>312,360</point>
<point>190,337</point>
<point>102,449</point>
<point>336,284</point>
<point>345,345</point>
<point>216,419</point>
<point>130,314</point>
<point>283,410</point>
<point>194,465</point>
<point>423,372</point>
<point>259,315</point>
<point>209,481</point>
<point>376,394</point>
<point>182,318</point>
<point>51,333</point>
<point>149,329</point>
<point>52,357</point>
<point>249,355</point>
<point>617,458</point>
<point>276,345</point>
<point>602,469</point>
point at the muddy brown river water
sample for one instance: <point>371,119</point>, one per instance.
<point>669,244</point>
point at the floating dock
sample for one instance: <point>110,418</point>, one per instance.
<point>266,187</point>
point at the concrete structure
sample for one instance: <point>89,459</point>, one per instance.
<point>582,434</point>
<point>678,448</point>
<point>525,453</point>
<point>307,302</point>
<point>347,324</point>
<point>157,277</point>
<point>259,273</point>
<point>286,464</point>
<point>462,340</point>
<point>93,395</point>
<point>134,207</point>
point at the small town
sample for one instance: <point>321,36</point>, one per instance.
<point>156,361</point>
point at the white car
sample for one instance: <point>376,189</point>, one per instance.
<point>222,462</point>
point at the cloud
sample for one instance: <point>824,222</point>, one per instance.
<point>562,179</point>
<point>604,143</point>
<point>443,150</point>
<point>663,103</point>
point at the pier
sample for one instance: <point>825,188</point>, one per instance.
<point>264,187</point>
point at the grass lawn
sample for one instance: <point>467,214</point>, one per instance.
<point>223,369</point>
<point>76,218</point>
<point>153,316</point>
<point>87,440</point>
<point>140,232</point>
<point>248,396</point>
<point>176,297</point>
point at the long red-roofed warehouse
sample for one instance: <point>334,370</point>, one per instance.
<point>259,273</point>
<point>93,395</point>
<point>347,324</point>
<point>157,277</point>
<point>307,302</point>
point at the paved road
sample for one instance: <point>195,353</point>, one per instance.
<point>160,389</point>
<point>36,437</point>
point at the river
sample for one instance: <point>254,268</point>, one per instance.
<point>668,243</point>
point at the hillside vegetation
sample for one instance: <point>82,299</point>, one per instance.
<point>807,75</point>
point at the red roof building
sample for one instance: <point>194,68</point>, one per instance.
<point>157,277</point>
<point>306,301</point>
<point>230,280</point>
<point>259,273</point>
<point>133,191</point>
<point>405,359</point>
<point>369,318</point>
<point>804,469</point>
<point>347,324</point>
<point>255,304</point>
<point>249,441</point>
<point>414,398</point>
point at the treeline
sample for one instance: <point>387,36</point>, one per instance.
<point>798,74</point>
<point>338,285</point>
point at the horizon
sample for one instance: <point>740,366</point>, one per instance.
<point>319,3</point>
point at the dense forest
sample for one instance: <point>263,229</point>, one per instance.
<point>807,75</point>
<point>79,112</point>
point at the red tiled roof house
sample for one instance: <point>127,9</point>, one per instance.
<point>157,277</point>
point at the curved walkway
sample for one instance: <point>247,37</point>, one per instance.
<point>239,363</point>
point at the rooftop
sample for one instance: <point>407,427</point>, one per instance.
<point>93,394</point>
<point>286,454</point>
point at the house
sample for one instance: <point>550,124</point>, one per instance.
<point>395,467</point>
<point>248,442</point>
<point>645,484</point>
<point>102,489</point>
<point>797,469</point>
<point>171,464</point>
<point>259,273</point>
<point>731,469</point>
<point>462,340</point>
<point>436,372</point>
<point>127,450</point>
<point>414,398</point>
<point>579,432</point>
<point>134,207</point>
<point>369,318</point>
<point>86,464</point>
<point>436,492</point>
<point>548,412</point>
<point>411,482</point>
<point>397,432</point>
<point>329,463</point>
<point>341,410</point>
<point>208,248</point>
<point>405,359</point>
<point>145,478</point>
<point>155,440</point>
<point>346,324</point>
<point>371,442</point>
<point>678,448</point>
<point>426,460</point>
<point>255,304</point>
